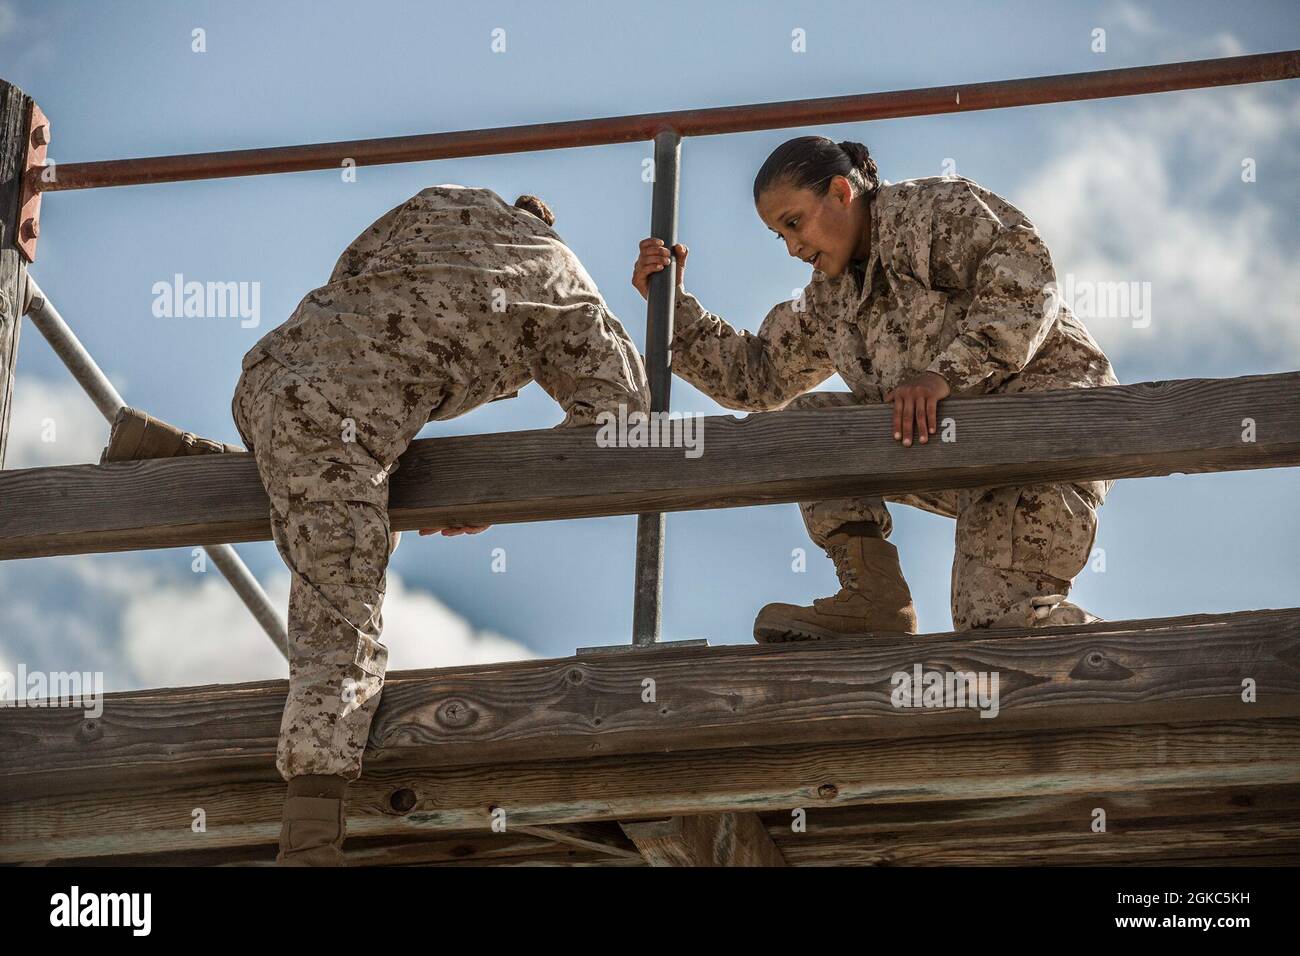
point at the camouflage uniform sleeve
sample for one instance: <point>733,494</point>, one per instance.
<point>746,370</point>
<point>359,251</point>
<point>587,363</point>
<point>1007,268</point>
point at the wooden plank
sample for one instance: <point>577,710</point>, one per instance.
<point>1153,428</point>
<point>414,849</point>
<point>707,839</point>
<point>1108,673</point>
<point>1219,844</point>
<point>1140,826</point>
<point>14,109</point>
<point>1216,754</point>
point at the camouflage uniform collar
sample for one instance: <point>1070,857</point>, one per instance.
<point>861,275</point>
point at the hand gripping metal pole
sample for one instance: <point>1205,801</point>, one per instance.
<point>108,400</point>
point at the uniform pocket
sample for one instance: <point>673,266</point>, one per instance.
<point>338,525</point>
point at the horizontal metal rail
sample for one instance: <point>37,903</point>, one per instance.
<point>1067,87</point>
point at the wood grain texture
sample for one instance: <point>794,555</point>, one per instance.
<point>14,107</point>
<point>1107,673</point>
<point>1157,826</point>
<point>1155,428</point>
<point>1235,756</point>
<point>706,839</point>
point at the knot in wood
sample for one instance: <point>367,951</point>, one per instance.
<point>89,731</point>
<point>456,714</point>
<point>828,791</point>
<point>1095,665</point>
<point>402,800</point>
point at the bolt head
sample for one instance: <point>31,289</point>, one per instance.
<point>41,135</point>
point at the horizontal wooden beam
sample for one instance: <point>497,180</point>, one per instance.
<point>1233,756</point>
<point>1155,428</point>
<point>1107,673</point>
<point>1217,825</point>
<point>1247,825</point>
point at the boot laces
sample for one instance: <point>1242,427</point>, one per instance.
<point>844,567</point>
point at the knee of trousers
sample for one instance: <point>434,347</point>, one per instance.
<point>1015,544</point>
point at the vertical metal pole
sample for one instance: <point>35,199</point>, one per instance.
<point>108,400</point>
<point>647,612</point>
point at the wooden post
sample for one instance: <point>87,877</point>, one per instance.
<point>14,108</point>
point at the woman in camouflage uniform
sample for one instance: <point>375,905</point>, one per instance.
<point>921,289</point>
<point>451,300</point>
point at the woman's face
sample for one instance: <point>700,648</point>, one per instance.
<point>828,232</point>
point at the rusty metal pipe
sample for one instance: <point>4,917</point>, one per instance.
<point>1131,81</point>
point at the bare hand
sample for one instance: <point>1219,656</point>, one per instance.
<point>452,532</point>
<point>654,258</point>
<point>916,403</point>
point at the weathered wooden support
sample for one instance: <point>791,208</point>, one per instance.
<point>15,110</point>
<point>1247,825</point>
<point>1107,707</point>
<point>1154,428</point>
<point>1253,826</point>
<point>1106,673</point>
<point>707,839</point>
<point>1231,756</point>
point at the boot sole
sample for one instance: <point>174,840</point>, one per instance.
<point>791,635</point>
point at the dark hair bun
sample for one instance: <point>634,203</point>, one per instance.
<point>861,159</point>
<point>537,208</point>
<point>811,162</point>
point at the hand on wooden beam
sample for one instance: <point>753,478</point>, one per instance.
<point>916,401</point>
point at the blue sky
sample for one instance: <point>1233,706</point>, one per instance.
<point>1143,189</point>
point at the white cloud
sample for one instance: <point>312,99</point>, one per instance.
<point>145,628</point>
<point>8,19</point>
<point>223,644</point>
<point>1134,18</point>
<point>53,423</point>
<point>1154,193</point>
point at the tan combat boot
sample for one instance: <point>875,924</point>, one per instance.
<point>873,597</point>
<point>312,832</point>
<point>137,435</point>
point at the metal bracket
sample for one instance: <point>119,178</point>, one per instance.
<point>632,648</point>
<point>29,199</point>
